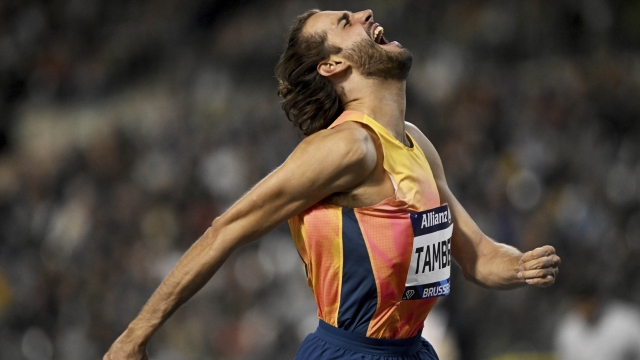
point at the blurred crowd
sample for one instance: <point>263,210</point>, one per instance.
<point>126,127</point>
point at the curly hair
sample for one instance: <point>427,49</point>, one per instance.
<point>310,100</point>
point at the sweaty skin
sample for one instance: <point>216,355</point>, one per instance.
<point>345,165</point>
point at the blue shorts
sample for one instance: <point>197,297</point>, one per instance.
<point>331,343</point>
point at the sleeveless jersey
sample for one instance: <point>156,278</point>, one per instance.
<point>357,259</point>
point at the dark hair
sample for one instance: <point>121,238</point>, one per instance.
<point>309,99</point>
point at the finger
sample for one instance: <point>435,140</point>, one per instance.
<point>535,274</point>
<point>543,251</point>
<point>541,263</point>
<point>542,282</point>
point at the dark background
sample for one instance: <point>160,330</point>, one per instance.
<point>127,126</point>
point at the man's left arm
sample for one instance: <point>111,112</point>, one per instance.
<point>483,260</point>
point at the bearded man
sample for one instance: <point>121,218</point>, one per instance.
<point>367,202</point>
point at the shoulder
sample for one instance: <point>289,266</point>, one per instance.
<point>349,142</point>
<point>347,151</point>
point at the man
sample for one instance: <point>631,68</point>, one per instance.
<point>367,202</point>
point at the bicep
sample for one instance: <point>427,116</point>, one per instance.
<point>316,169</point>
<point>468,242</point>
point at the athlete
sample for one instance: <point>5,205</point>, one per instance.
<point>367,202</point>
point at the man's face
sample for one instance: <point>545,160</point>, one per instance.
<point>363,43</point>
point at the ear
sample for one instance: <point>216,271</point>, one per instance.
<point>332,66</point>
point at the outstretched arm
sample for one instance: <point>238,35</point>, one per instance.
<point>330,161</point>
<point>483,260</point>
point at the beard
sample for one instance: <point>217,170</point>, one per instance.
<point>374,62</point>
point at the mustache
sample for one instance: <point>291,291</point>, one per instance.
<point>368,28</point>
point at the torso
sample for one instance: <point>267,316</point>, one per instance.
<point>357,245</point>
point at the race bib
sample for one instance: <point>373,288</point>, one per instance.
<point>430,267</point>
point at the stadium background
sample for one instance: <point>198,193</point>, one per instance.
<point>127,126</point>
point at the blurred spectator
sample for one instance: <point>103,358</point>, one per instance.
<point>440,334</point>
<point>127,126</point>
<point>597,328</point>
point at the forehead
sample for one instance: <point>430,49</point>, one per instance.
<point>324,21</point>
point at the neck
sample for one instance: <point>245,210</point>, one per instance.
<point>382,100</point>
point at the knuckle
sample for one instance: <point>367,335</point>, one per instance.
<point>549,272</point>
<point>549,250</point>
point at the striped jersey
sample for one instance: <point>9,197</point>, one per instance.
<point>357,260</point>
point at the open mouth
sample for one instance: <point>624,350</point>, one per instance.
<point>378,36</point>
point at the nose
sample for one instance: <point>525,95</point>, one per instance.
<point>364,17</point>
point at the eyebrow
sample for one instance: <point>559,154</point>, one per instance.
<point>345,17</point>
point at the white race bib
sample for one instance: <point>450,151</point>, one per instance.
<point>430,266</point>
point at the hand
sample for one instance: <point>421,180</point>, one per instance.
<point>126,349</point>
<point>539,267</point>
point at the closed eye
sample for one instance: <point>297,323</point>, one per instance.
<point>345,18</point>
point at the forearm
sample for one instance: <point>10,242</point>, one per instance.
<point>497,266</point>
<point>484,261</point>
<point>191,273</point>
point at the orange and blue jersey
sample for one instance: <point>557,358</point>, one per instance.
<point>358,260</point>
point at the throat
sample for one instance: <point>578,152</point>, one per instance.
<point>383,101</point>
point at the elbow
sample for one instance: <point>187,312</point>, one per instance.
<point>212,236</point>
<point>216,225</point>
<point>471,272</point>
<point>469,275</point>
<point>213,232</point>
<point>219,235</point>
<point>468,265</point>
<point>475,278</point>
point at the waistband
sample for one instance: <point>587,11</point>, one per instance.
<point>363,344</point>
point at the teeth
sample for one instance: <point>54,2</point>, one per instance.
<point>377,34</point>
